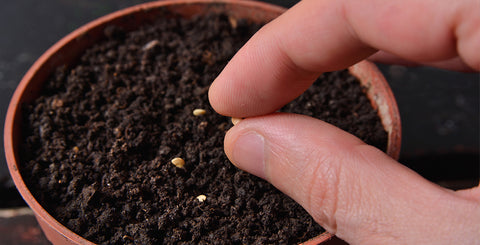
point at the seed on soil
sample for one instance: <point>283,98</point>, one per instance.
<point>150,45</point>
<point>236,120</point>
<point>75,149</point>
<point>201,198</point>
<point>199,112</point>
<point>178,162</point>
<point>233,22</point>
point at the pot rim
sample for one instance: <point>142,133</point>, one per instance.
<point>378,90</point>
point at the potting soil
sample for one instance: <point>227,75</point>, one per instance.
<point>98,142</point>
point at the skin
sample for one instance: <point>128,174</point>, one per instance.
<point>353,190</point>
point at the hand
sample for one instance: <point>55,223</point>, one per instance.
<point>353,190</point>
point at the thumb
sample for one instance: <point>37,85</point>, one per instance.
<point>351,189</point>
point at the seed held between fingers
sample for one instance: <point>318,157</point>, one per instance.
<point>236,120</point>
<point>178,162</point>
<point>199,112</point>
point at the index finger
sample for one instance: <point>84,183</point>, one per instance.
<point>282,60</point>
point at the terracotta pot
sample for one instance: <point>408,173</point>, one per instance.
<point>381,96</point>
<point>67,50</point>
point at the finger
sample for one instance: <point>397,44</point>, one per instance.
<point>454,64</point>
<point>351,189</point>
<point>283,58</point>
<point>314,36</point>
<point>473,193</point>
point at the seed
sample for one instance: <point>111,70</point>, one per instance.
<point>199,112</point>
<point>178,162</point>
<point>236,120</point>
<point>201,198</point>
<point>75,149</point>
<point>233,22</point>
<point>150,45</point>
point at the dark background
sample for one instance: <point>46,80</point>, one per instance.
<point>439,109</point>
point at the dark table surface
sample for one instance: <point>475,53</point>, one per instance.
<point>439,109</point>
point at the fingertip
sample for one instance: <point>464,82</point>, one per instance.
<point>213,98</point>
<point>228,143</point>
<point>220,97</point>
<point>245,149</point>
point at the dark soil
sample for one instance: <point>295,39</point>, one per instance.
<point>99,141</point>
<point>337,98</point>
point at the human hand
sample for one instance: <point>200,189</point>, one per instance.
<point>353,190</point>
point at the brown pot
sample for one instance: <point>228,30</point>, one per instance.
<point>68,49</point>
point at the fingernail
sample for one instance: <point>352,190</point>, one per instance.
<point>248,153</point>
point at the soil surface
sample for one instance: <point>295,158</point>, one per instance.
<point>99,141</point>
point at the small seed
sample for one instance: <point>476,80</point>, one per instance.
<point>201,198</point>
<point>150,45</point>
<point>233,22</point>
<point>178,162</point>
<point>236,120</point>
<point>199,112</point>
<point>75,149</point>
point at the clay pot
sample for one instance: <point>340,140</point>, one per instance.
<point>68,49</point>
<point>381,96</point>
